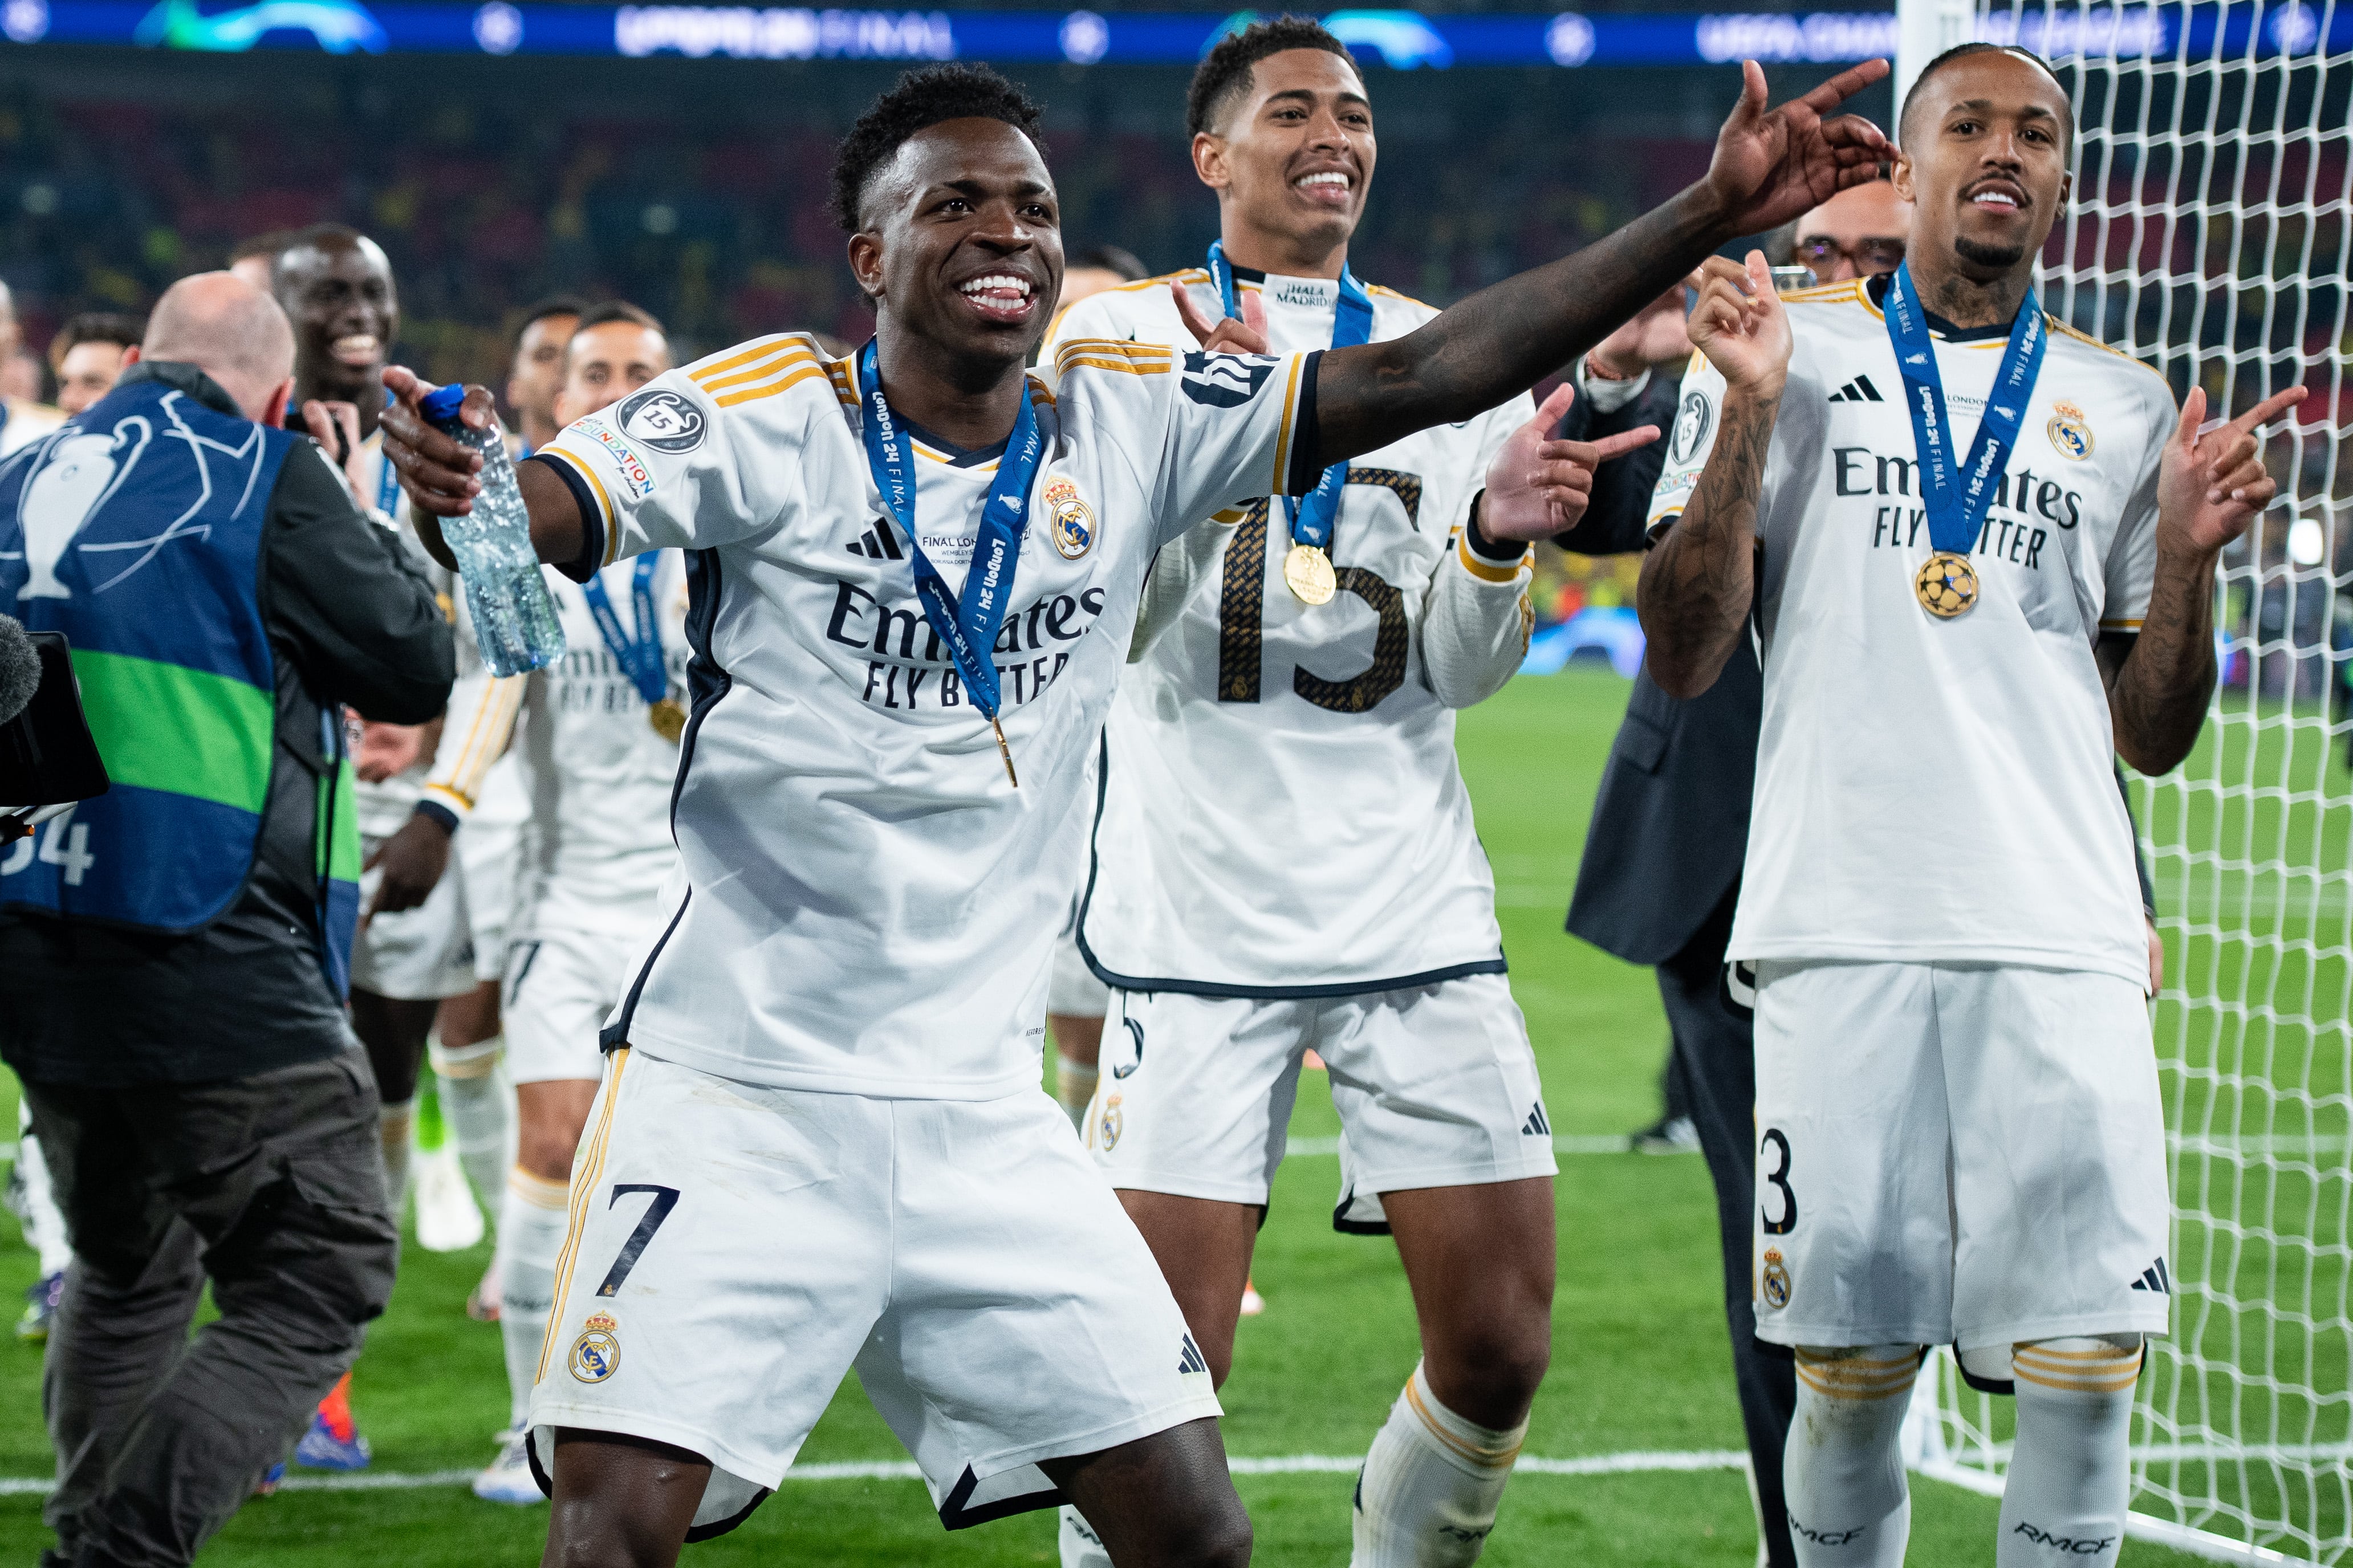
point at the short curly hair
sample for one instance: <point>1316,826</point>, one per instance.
<point>1224,73</point>
<point>921,99</point>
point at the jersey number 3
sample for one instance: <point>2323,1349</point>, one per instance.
<point>1241,612</point>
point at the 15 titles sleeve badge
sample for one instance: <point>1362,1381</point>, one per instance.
<point>596,1354</point>
<point>1073,524</point>
<point>2070,431</point>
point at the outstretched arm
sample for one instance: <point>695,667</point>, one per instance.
<point>439,475</point>
<point>1768,167</point>
<point>2210,488</point>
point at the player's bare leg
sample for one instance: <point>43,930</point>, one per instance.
<point>1203,1247</point>
<point>1480,1259</point>
<point>1078,1047</point>
<point>1162,1502</point>
<point>393,1032</point>
<point>621,1501</point>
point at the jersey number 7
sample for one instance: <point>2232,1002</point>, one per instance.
<point>665,1200</point>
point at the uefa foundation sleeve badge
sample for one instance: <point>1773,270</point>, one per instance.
<point>1946,584</point>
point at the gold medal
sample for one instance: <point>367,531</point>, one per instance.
<point>1947,584</point>
<point>669,718</point>
<point>1307,571</point>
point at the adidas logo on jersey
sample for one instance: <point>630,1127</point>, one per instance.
<point>2154,1278</point>
<point>878,543</point>
<point>1189,1358</point>
<point>1858,390</point>
<point>1536,1126</point>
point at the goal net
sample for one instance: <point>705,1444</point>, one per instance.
<point>2210,238</point>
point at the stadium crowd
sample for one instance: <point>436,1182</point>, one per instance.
<point>517,903</point>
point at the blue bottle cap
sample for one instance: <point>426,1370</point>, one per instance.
<point>440,406</point>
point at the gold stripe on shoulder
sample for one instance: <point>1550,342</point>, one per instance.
<point>1124,347</point>
<point>1380,289</point>
<point>1041,392</point>
<point>1125,367</point>
<point>1822,293</point>
<point>837,371</point>
<point>1190,275</point>
<point>2065,330</point>
<point>745,353</point>
<point>773,365</point>
<point>800,372</point>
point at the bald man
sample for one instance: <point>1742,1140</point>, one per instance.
<point>1858,233</point>
<point>173,953</point>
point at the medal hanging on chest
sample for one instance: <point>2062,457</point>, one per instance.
<point>1955,496</point>
<point>640,656</point>
<point>1307,566</point>
<point>968,622</point>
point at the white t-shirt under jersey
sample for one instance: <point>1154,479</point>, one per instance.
<point>597,773</point>
<point>1940,790</point>
<point>1282,814</point>
<point>871,906</point>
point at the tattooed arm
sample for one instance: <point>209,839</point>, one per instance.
<point>1698,580</point>
<point>2208,489</point>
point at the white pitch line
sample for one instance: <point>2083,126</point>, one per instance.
<point>906,1471</point>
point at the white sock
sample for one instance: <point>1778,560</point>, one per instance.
<point>2071,1473</point>
<point>394,1127</point>
<point>479,1105</point>
<point>1074,1087</point>
<point>1428,1494</point>
<point>45,1223</point>
<point>1082,1547</point>
<point>530,1233</point>
<point>1844,1468</point>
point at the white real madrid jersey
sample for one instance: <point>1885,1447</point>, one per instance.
<point>870,905</point>
<point>597,774</point>
<point>1940,789</point>
<point>1281,811</point>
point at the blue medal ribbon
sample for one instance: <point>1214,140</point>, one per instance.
<point>967,622</point>
<point>1352,324</point>
<point>640,656</point>
<point>1957,501</point>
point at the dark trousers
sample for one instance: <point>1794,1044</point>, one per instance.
<point>1717,1047</point>
<point>272,1188</point>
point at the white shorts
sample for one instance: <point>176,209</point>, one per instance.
<point>1074,992</point>
<point>562,984</point>
<point>416,955</point>
<point>734,1249</point>
<point>1970,1154</point>
<point>1436,1087</point>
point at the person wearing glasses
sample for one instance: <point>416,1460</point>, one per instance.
<point>1857,233</point>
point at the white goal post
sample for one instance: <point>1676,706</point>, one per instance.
<point>2211,236</point>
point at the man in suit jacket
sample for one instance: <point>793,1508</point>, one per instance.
<point>1662,867</point>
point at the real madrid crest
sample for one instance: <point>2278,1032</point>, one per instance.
<point>596,1354</point>
<point>2070,431</point>
<point>1111,1123</point>
<point>1069,519</point>
<point>1774,1283</point>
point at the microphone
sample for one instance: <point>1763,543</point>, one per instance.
<point>20,668</point>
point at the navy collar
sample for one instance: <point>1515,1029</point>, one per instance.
<point>185,378</point>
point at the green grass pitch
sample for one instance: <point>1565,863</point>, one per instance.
<point>1640,1363</point>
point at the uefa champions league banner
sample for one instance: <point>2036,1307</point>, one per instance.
<point>1402,40</point>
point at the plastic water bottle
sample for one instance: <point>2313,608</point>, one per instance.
<point>515,621</point>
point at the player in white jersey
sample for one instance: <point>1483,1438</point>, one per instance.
<point>598,753</point>
<point>1284,855</point>
<point>821,1140</point>
<point>1959,1134</point>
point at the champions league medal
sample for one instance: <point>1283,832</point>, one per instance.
<point>1946,584</point>
<point>640,656</point>
<point>967,622</point>
<point>1307,573</point>
<point>669,718</point>
<point>1307,569</point>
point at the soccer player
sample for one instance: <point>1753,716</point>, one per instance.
<point>820,1141</point>
<point>1283,855</point>
<point>536,377</point>
<point>87,356</point>
<point>600,757</point>
<point>23,418</point>
<point>1977,549</point>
